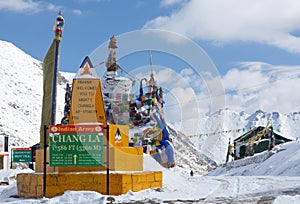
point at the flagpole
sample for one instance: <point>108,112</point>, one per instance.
<point>58,28</point>
<point>53,107</point>
<point>50,73</point>
<point>151,62</point>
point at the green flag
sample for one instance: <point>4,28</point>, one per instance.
<point>49,84</point>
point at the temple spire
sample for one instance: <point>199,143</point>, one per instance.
<point>111,62</point>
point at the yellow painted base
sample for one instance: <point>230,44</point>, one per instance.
<point>30,185</point>
<point>121,159</point>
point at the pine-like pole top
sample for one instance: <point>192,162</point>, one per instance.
<point>113,43</point>
<point>59,26</point>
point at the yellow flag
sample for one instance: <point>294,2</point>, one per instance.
<point>49,73</point>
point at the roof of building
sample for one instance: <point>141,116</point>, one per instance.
<point>250,134</point>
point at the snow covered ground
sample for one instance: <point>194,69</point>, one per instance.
<point>270,177</point>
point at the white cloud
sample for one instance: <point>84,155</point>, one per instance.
<point>97,1</point>
<point>270,21</point>
<point>165,3</point>
<point>249,87</point>
<point>19,5</point>
<point>270,88</point>
<point>77,12</point>
<point>27,6</point>
<point>241,79</point>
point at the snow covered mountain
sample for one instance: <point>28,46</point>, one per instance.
<point>21,89</point>
<point>21,101</point>
<point>214,144</point>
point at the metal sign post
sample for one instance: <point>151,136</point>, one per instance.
<point>45,162</point>
<point>107,159</point>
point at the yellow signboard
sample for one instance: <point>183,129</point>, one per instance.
<point>87,102</point>
<point>118,135</point>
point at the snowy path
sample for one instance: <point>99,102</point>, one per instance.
<point>247,189</point>
<point>198,189</point>
<point>220,189</point>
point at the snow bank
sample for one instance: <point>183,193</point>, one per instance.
<point>283,160</point>
<point>150,164</point>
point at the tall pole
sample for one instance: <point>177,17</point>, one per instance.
<point>58,29</point>
<point>54,88</point>
<point>50,73</point>
<point>151,62</point>
<point>107,159</point>
<point>44,164</point>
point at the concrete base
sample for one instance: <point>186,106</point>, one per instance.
<point>30,185</point>
<point>121,159</point>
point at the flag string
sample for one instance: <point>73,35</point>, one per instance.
<point>239,130</point>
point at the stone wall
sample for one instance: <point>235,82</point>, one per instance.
<point>30,185</point>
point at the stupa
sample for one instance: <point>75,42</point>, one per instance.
<point>89,150</point>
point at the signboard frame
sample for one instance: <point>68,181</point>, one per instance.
<point>76,145</point>
<point>22,154</point>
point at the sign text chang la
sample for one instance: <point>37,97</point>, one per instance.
<point>76,145</point>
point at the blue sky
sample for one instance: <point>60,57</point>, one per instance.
<point>254,44</point>
<point>89,23</point>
